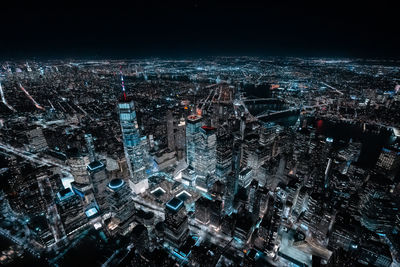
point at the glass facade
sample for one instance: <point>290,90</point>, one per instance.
<point>134,146</point>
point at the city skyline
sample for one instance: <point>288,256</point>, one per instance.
<point>199,133</point>
<point>250,161</point>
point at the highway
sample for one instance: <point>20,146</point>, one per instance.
<point>21,242</point>
<point>3,99</point>
<point>32,157</point>
<point>31,98</point>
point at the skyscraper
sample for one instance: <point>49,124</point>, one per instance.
<point>205,158</point>
<point>90,147</point>
<point>176,134</point>
<point>223,156</point>
<point>78,163</point>
<point>99,179</point>
<point>207,151</point>
<point>134,146</point>
<point>180,139</point>
<point>120,206</point>
<point>203,206</point>
<point>194,123</point>
<point>170,130</point>
<point>230,192</point>
<point>232,180</point>
<point>176,223</point>
<point>70,210</point>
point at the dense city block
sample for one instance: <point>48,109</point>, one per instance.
<point>216,161</point>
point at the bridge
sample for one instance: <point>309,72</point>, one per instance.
<point>273,113</point>
<point>259,99</point>
<point>333,88</point>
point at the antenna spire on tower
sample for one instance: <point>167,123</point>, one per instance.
<point>122,82</point>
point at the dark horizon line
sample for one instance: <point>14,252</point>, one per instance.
<point>194,57</point>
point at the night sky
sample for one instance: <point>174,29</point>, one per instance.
<point>69,29</point>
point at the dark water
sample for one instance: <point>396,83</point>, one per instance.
<point>285,121</point>
<point>257,91</point>
<point>342,132</point>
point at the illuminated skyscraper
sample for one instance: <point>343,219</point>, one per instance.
<point>230,192</point>
<point>120,205</point>
<point>70,210</point>
<point>134,146</point>
<point>207,151</point>
<point>170,130</point>
<point>232,180</point>
<point>206,158</point>
<point>326,156</point>
<point>99,179</point>
<point>176,223</point>
<point>90,147</point>
<point>193,137</point>
<point>180,139</point>
<point>78,163</point>
<point>223,156</point>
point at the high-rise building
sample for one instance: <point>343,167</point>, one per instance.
<point>90,147</point>
<point>134,146</point>
<point>170,130</point>
<point>223,156</point>
<point>176,223</point>
<point>230,192</point>
<point>205,158</point>
<point>245,177</point>
<point>389,159</point>
<point>70,210</point>
<point>193,136</point>
<point>325,164</point>
<point>81,185</point>
<point>236,156</point>
<point>99,179</point>
<point>207,151</point>
<point>37,141</point>
<point>78,163</point>
<point>180,144</point>
<point>242,127</point>
<point>140,238</point>
<point>232,180</point>
<point>254,200</point>
<point>216,213</point>
<point>203,206</point>
<point>120,206</point>
<point>274,216</point>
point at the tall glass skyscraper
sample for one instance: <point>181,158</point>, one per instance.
<point>90,147</point>
<point>193,136</point>
<point>223,156</point>
<point>120,205</point>
<point>206,158</point>
<point>232,179</point>
<point>207,151</point>
<point>134,146</point>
